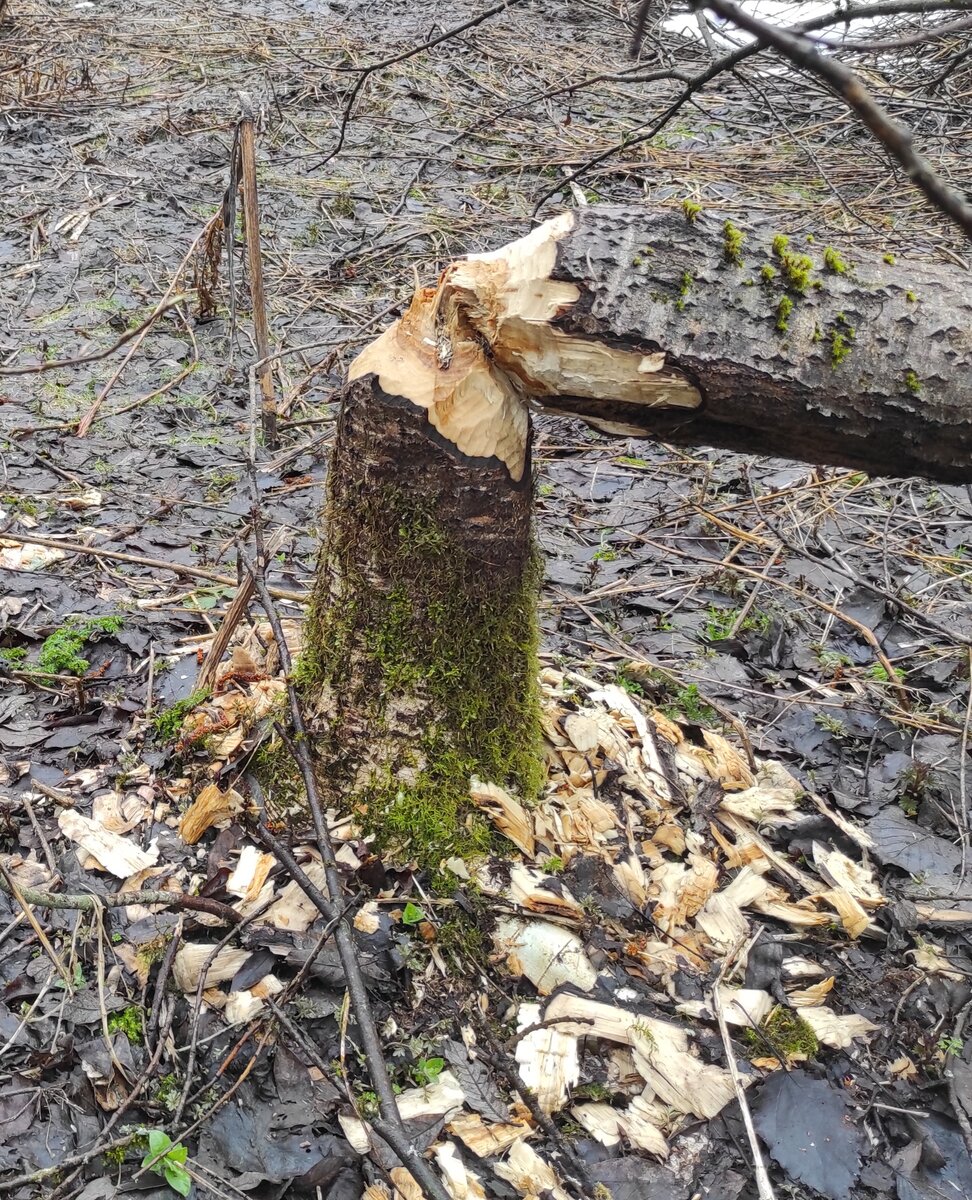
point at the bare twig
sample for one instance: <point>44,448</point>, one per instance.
<point>142,560</point>
<point>651,128</point>
<point>96,355</point>
<point>391,1129</point>
<point>84,902</point>
<point>763,1185</point>
<point>25,897</point>
<point>372,68</point>
<point>895,138</point>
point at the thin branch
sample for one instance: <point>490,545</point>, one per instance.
<point>372,68</point>
<point>96,356</point>
<point>895,138</point>
<point>926,34</point>
<point>330,907</point>
<point>84,902</point>
<point>732,60</point>
<point>142,560</point>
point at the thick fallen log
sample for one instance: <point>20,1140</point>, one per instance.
<point>698,332</point>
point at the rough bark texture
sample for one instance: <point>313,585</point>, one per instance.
<point>818,352</point>
<point>421,665</point>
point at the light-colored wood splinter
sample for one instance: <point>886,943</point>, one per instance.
<point>474,349</point>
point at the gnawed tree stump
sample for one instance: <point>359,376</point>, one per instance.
<point>420,668</point>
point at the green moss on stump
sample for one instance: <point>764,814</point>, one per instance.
<point>441,673</point>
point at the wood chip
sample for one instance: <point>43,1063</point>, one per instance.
<point>461,1182</point>
<point>250,874</point>
<point>835,1030</point>
<point>486,1141</point>
<point>117,855</point>
<point>444,1098</point>
<point>507,814</point>
<point>529,1174</point>
<point>547,954</point>
<point>549,1060</point>
<point>190,958</point>
<point>212,808</point>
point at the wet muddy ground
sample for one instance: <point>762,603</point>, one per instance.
<point>821,615</point>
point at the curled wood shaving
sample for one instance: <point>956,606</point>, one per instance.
<point>117,855</point>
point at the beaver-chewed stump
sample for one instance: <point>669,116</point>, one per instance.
<point>420,662</point>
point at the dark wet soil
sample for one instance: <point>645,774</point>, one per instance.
<point>738,591</point>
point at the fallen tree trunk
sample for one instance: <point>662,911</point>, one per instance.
<point>420,669</point>
<point>691,330</point>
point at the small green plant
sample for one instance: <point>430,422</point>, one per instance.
<point>691,209</point>
<point>879,673</point>
<point>833,725</point>
<point>632,686</point>
<point>128,1022</point>
<point>60,654</point>
<point>687,703</point>
<point>20,504</point>
<point>427,1070</point>
<point>910,296</point>
<point>912,383</point>
<point>833,662</point>
<point>168,1159</point>
<point>783,311</point>
<point>796,268</point>
<point>767,273</point>
<point>412,914</point>
<point>890,259</point>
<point>553,865</point>
<point>625,460</point>
<point>12,655</point>
<point>168,1092</point>
<point>168,722</point>
<point>834,262</point>
<point>643,1029</point>
<point>719,622</point>
<point>219,482</point>
<point>733,239</point>
<point>950,1046</point>
<point>114,1156</point>
<point>77,978</point>
<point>840,346</point>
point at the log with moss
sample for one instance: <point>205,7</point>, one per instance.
<point>419,670</point>
<point>698,331</point>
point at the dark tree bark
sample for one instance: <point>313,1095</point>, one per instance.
<point>420,664</point>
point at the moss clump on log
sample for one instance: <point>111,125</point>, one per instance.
<point>421,643</point>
